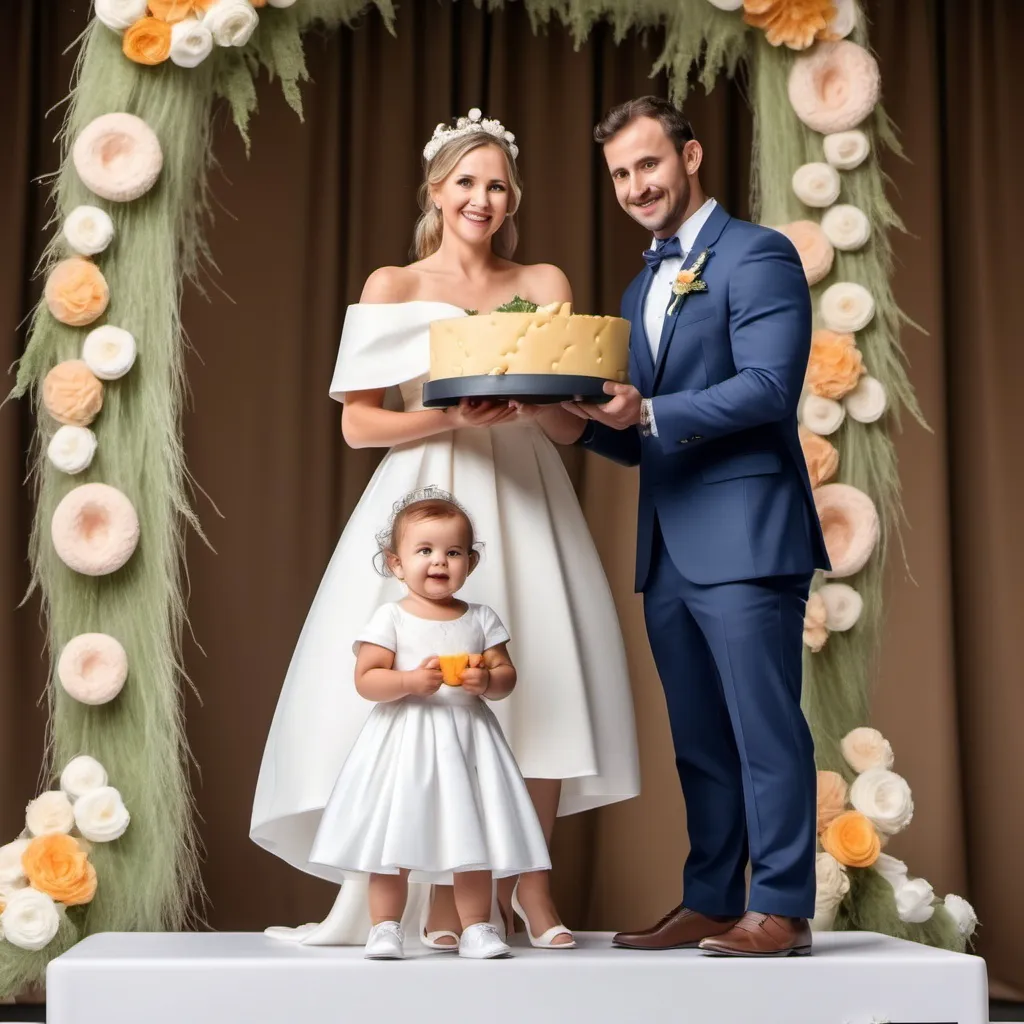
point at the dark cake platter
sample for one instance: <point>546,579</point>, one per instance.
<point>528,388</point>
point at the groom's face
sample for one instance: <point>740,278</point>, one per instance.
<point>650,176</point>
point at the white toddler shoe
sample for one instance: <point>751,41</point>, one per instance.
<point>386,942</point>
<point>482,942</point>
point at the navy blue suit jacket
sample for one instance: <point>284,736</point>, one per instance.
<point>725,476</point>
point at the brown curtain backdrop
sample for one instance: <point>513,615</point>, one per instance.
<point>320,204</point>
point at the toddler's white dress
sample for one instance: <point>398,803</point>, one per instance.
<point>431,784</point>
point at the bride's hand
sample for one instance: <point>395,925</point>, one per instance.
<point>480,412</point>
<point>524,410</point>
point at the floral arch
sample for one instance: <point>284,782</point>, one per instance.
<point>110,843</point>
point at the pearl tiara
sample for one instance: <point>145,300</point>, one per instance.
<point>473,122</point>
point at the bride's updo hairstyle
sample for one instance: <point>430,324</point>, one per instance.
<point>441,156</point>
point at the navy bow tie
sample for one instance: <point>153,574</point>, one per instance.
<point>665,249</point>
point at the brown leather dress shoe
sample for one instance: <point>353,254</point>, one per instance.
<point>678,929</point>
<point>762,935</point>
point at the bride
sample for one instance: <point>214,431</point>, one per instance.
<point>570,722</point>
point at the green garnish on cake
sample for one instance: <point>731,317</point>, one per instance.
<point>516,305</point>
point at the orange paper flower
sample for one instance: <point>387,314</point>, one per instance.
<point>794,23</point>
<point>820,454</point>
<point>835,364</point>
<point>148,41</point>
<point>852,840</point>
<point>56,865</point>
<point>832,790</point>
<point>72,393</point>
<point>76,292</point>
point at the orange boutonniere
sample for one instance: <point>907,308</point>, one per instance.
<point>688,280</point>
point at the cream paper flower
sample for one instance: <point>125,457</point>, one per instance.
<point>88,230</point>
<point>831,884</point>
<point>822,416</point>
<point>71,449</point>
<point>884,798</point>
<point>232,22</point>
<point>49,812</point>
<point>109,352</point>
<point>815,632</point>
<point>12,874</point>
<point>81,775</point>
<point>850,525</point>
<point>191,43</point>
<point>844,21</point>
<point>816,184</point>
<point>834,86</point>
<point>846,307</point>
<point>843,606</point>
<point>846,150</point>
<point>30,920</point>
<point>868,401</point>
<point>120,14</point>
<point>726,5</point>
<point>914,901</point>
<point>865,748</point>
<point>92,668</point>
<point>118,156</point>
<point>962,913</point>
<point>846,227</point>
<point>94,529</point>
<point>894,871</point>
<point>101,815</point>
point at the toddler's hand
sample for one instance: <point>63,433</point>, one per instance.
<point>426,679</point>
<point>476,680</point>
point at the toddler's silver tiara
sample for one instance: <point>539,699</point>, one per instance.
<point>473,122</point>
<point>429,493</point>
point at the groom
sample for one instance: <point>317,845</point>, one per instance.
<point>728,538</point>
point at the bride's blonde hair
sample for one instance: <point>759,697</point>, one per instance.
<point>430,226</point>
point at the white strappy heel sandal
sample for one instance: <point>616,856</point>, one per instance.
<point>546,940</point>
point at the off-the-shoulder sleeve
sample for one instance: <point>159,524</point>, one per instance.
<point>385,344</point>
<point>494,629</point>
<point>380,630</point>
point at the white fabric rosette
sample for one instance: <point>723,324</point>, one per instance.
<point>288,3</point>
<point>962,913</point>
<point>71,449</point>
<point>893,870</point>
<point>843,606</point>
<point>30,920</point>
<point>88,230</point>
<point>93,668</point>
<point>109,352</point>
<point>81,775</point>
<point>118,156</point>
<point>816,184</point>
<point>846,227</point>
<point>101,815</point>
<point>846,307</point>
<point>726,5</point>
<point>884,798</point>
<point>831,884</point>
<point>846,150</point>
<point>915,901</point>
<point>231,22</point>
<point>868,401</point>
<point>50,812</point>
<point>834,86</point>
<point>865,748</point>
<point>844,21</point>
<point>12,873</point>
<point>819,415</point>
<point>120,14</point>
<point>191,43</point>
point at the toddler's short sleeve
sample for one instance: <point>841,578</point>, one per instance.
<point>494,629</point>
<point>380,630</point>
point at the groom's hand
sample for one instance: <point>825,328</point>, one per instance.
<point>621,412</point>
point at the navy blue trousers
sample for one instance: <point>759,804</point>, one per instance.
<point>729,657</point>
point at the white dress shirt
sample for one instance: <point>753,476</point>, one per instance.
<point>660,293</point>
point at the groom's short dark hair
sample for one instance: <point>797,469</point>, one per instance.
<point>670,117</point>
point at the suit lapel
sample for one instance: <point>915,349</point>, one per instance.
<point>706,237</point>
<point>643,349</point>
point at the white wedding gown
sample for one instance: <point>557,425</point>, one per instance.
<point>571,715</point>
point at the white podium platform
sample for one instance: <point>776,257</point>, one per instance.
<point>228,977</point>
